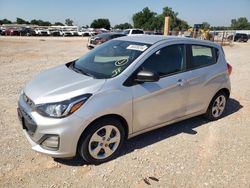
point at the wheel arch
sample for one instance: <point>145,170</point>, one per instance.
<point>224,90</point>
<point>114,116</point>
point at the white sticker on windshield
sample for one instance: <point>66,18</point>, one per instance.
<point>137,47</point>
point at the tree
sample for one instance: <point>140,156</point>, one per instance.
<point>5,21</point>
<point>175,22</point>
<point>143,19</point>
<point>240,23</point>
<point>21,21</point>
<point>205,25</point>
<point>123,26</point>
<point>58,24</point>
<point>40,22</point>
<point>101,23</point>
<point>149,20</point>
<point>69,22</point>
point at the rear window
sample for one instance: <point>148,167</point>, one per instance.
<point>137,32</point>
<point>202,56</point>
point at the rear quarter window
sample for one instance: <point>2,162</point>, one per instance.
<point>201,56</point>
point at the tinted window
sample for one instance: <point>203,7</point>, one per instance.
<point>167,60</point>
<point>202,56</point>
<point>137,32</point>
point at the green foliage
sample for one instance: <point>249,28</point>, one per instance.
<point>40,22</point>
<point>123,26</point>
<point>58,24</point>
<point>21,21</point>
<point>220,28</point>
<point>148,20</point>
<point>101,23</point>
<point>205,25</point>
<point>143,19</point>
<point>69,22</point>
<point>240,24</point>
<point>5,21</point>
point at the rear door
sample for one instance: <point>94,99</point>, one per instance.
<point>203,76</point>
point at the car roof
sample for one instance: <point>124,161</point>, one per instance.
<point>152,39</point>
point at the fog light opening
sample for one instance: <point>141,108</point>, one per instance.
<point>51,142</point>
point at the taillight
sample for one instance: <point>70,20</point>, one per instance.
<point>229,69</point>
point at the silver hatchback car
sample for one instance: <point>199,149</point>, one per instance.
<point>123,88</point>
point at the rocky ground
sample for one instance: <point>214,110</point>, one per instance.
<point>192,153</point>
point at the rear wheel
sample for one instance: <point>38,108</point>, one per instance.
<point>102,141</point>
<point>216,106</point>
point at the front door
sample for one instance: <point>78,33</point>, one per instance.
<point>158,102</point>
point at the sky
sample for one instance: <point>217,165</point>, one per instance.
<point>83,12</point>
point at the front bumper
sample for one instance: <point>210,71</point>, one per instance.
<point>36,128</point>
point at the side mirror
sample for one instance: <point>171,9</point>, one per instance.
<point>147,76</point>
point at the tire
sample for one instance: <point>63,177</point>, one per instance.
<point>96,147</point>
<point>217,106</point>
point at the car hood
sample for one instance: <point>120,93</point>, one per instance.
<point>60,83</point>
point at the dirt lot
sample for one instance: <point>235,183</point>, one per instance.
<point>192,153</point>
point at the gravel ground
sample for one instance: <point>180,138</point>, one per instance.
<point>192,153</point>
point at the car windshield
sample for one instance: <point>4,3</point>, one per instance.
<point>109,59</point>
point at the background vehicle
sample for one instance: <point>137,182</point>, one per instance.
<point>41,32</point>
<point>133,31</point>
<point>2,31</point>
<point>123,88</point>
<point>101,38</point>
<point>12,32</point>
<point>65,33</point>
<point>74,33</point>
<point>27,32</point>
<point>54,32</point>
<point>239,37</point>
<point>153,33</point>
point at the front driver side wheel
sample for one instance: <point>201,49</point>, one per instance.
<point>102,141</point>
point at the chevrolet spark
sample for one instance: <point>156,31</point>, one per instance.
<point>121,89</point>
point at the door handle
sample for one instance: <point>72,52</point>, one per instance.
<point>180,82</point>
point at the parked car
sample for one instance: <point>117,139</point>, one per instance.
<point>85,33</point>
<point>54,32</point>
<point>2,32</point>
<point>27,32</point>
<point>41,32</point>
<point>123,88</point>
<point>12,32</point>
<point>133,32</point>
<point>101,38</point>
<point>239,37</point>
<point>65,33</point>
<point>153,33</point>
<point>74,33</point>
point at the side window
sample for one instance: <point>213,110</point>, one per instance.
<point>126,32</point>
<point>168,60</point>
<point>202,56</point>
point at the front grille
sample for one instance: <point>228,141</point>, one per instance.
<point>27,122</point>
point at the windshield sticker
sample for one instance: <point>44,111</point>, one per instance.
<point>121,62</point>
<point>137,47</point>
<point>116,71</point>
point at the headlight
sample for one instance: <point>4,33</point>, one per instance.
<point>62,109</point>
